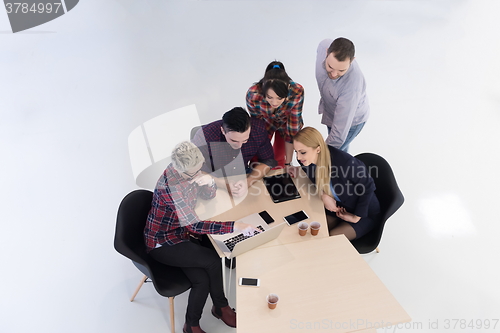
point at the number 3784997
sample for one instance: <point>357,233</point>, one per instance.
<point>35,8</point>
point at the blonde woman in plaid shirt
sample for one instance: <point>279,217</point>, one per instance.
<point>175,235</point>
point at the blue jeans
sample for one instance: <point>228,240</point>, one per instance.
<point>353,132</point>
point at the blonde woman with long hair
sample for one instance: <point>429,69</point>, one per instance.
<point>343,182</point>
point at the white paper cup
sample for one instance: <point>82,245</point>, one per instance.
<point>272,300</point>
<point>303,226</point>
<point>315,226</point>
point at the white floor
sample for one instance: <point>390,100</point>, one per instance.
<point>74,89</point>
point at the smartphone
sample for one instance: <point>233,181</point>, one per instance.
<point>249,282</point>
<point>296,217</point>
<point>266,217</point>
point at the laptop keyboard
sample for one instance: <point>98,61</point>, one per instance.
<point>231,242</point>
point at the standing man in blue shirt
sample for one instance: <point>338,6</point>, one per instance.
<point>342,87</point>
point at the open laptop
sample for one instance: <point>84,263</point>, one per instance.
<point>234,244</point>
<point>281,187</point>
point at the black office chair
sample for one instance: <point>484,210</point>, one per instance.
<point>388,194</point>
<point>129,241</point>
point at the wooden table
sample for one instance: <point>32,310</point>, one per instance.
<point>322,281</point>
<point>323,285</point>
<point>224,208</point>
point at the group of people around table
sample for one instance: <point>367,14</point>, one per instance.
<point>240,144</point>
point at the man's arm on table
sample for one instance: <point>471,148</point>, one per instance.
<point>257,173</point>
<point>240,187</point>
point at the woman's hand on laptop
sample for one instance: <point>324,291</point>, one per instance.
<point>246,229</point>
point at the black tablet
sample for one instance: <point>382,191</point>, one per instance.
<point>281,187</point>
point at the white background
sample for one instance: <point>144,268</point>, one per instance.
<point>72,90</point>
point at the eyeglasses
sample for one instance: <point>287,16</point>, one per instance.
<point>191,176</point>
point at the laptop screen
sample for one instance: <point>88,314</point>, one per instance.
<point>281,187</point>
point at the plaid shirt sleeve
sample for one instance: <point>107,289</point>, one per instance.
<point>172,213</point>
<point>265,153</point>
<point>190,220</point>
<point>207,192</point>
<point>287,119</point>
<point>294,105</point>
<point>259,108</point>
<point>254,99</point>
<point>201,142</point>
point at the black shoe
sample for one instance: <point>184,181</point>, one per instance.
<point>226,314</point>
<point>192,329</point>
<point>228,263</point>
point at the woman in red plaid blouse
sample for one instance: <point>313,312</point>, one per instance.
<point>278,101</point>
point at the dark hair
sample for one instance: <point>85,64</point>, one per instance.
<point>275,78</point>
<point>342,49</point>
<point>236,119</point>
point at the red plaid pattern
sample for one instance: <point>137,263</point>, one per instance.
<point>172,217</point>
<point>286,119</point>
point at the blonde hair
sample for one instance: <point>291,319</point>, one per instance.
<point>311,137</point>
<point>186,155</point>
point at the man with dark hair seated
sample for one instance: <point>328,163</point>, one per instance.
<point>229,144</point>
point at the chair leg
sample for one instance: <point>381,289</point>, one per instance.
<point>172,322</point>
<point>139,287</point>
<point>377,250</point>
<point>224,275</point>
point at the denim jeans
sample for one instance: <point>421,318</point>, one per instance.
<point>353,132</point>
